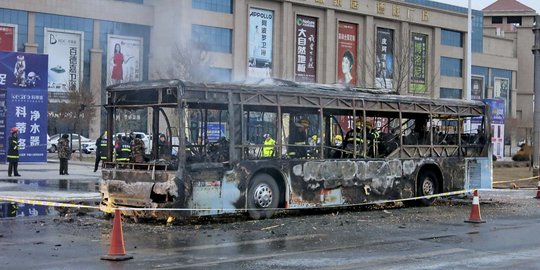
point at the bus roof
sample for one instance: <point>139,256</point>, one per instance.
<point>277,86</point>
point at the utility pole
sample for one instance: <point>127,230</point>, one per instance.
<point>536,121</point>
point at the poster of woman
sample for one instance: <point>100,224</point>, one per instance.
<point>347,48</point>
<point>124,59</point>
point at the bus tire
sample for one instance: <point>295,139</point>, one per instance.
<point>427,185</point>
<point>263,193</point>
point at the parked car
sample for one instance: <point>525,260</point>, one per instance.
<point>89,147</point>
<point>141,135</point>
<point>74,142</point>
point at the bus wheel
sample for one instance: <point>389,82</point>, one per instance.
<point>427,185</point>
<point>263,194</point>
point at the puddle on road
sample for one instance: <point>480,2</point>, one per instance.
<point>43,188</point>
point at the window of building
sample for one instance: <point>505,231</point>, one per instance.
<point>519,114</point>
<point>451,93</point>
<point>515,20</point>
<point>451,67</point>
<point>451,38</point>
<point>215,39</point>
<point>19,18</point>
<point>496,20</point>
<point>224,6</point>
<point>220,74</point>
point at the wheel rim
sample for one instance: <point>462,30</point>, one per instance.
<point>263,195</point>
<point>428,188</point>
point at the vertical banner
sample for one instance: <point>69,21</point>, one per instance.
<point>8,42</point>
<point>65,49</point>
<point>419,63</point>
<point>124,59</point>
<point>306,49</point>
<point>347,52</point>
<point>23,76</point>
<point>497,112</point>
<point>384,66</point>
<point>477,87</point>
<point>260,43</point>
<point>501,91</point>
<point>3,137</point>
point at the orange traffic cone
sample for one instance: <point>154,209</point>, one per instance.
<point>117,251</point>
<point>538,190</point>
<point>475,211</point>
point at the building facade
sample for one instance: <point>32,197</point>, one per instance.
<point>417,47</point>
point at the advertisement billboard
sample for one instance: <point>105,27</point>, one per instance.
<point>65,49</point>
<point>477,87</point>
<point>347,53</point>
<point>306,49</point>
<point>260,43</point>
<point>8,40</point>
<point>419,63</point>
<point>501,90</point>
<point>124,59</point>
<point>23,80</point>
<point>384,66</point>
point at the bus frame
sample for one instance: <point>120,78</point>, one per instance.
<point>240,181</point>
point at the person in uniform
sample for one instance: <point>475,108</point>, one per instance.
<point>64,153</point>
<point>299,138</point>
<point>13,152</point>
<point>268,148</point>
<point>98,149</point>
<point>124,153</point>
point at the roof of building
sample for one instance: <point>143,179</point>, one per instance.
<point>507,5</point>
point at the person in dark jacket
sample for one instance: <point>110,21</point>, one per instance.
<point>99,149</point>
<point>13,152</point>
<point>64,152</point>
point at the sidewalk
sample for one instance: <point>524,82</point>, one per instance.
<point>78,170</point>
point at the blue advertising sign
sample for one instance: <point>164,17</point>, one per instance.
<point>497,107</point>
<point>27,111</point>
<point>23,70</point>
<point>23,77</point>
<point>3,137</point>
<point>216,130</point>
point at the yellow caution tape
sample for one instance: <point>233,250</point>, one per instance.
<point>46,203</point>
<point>516,180</point>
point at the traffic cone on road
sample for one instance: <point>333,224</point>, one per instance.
<point>475,211</point>
<point>538,190</point>
<point>117,251</point>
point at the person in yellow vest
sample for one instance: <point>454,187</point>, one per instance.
<point>13,152</point>
<point>124,154</point>
<point>268,148</point>
<point>103,148</point>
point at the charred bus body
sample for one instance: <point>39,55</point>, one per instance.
<point>401,147</point>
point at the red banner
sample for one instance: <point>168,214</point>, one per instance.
<point>347,45</point>
<point>7,38</point>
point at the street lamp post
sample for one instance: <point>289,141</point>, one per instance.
<point>536,122</point>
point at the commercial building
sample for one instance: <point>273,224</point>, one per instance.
<point>362,43</point>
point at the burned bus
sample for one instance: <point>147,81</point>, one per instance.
<point>282,145</point>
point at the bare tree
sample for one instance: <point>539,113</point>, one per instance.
<point>76,110</point>
<point>187,63</point>
<point>398,75</point>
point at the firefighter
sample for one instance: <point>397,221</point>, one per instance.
<point>13,153</point>
<point>373,136</point>
<point>299,138</point>
<point>103,147</point>
<point>124,153</point>
<point>268,148</point>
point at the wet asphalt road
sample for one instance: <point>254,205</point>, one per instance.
<point>393,237</point>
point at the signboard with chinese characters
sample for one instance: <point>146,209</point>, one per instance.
<point>306,49</point>
<point>124,59</point>
<point>8,42</point>
<point>419,63</point>
<point>23,80</point>
<point>27,111</point>
<point>3,137</point>
<point>497,112</point>
<point>260,43</point>
<point>347,52</point>
<point>384,68</point>
<point>65,50</point>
